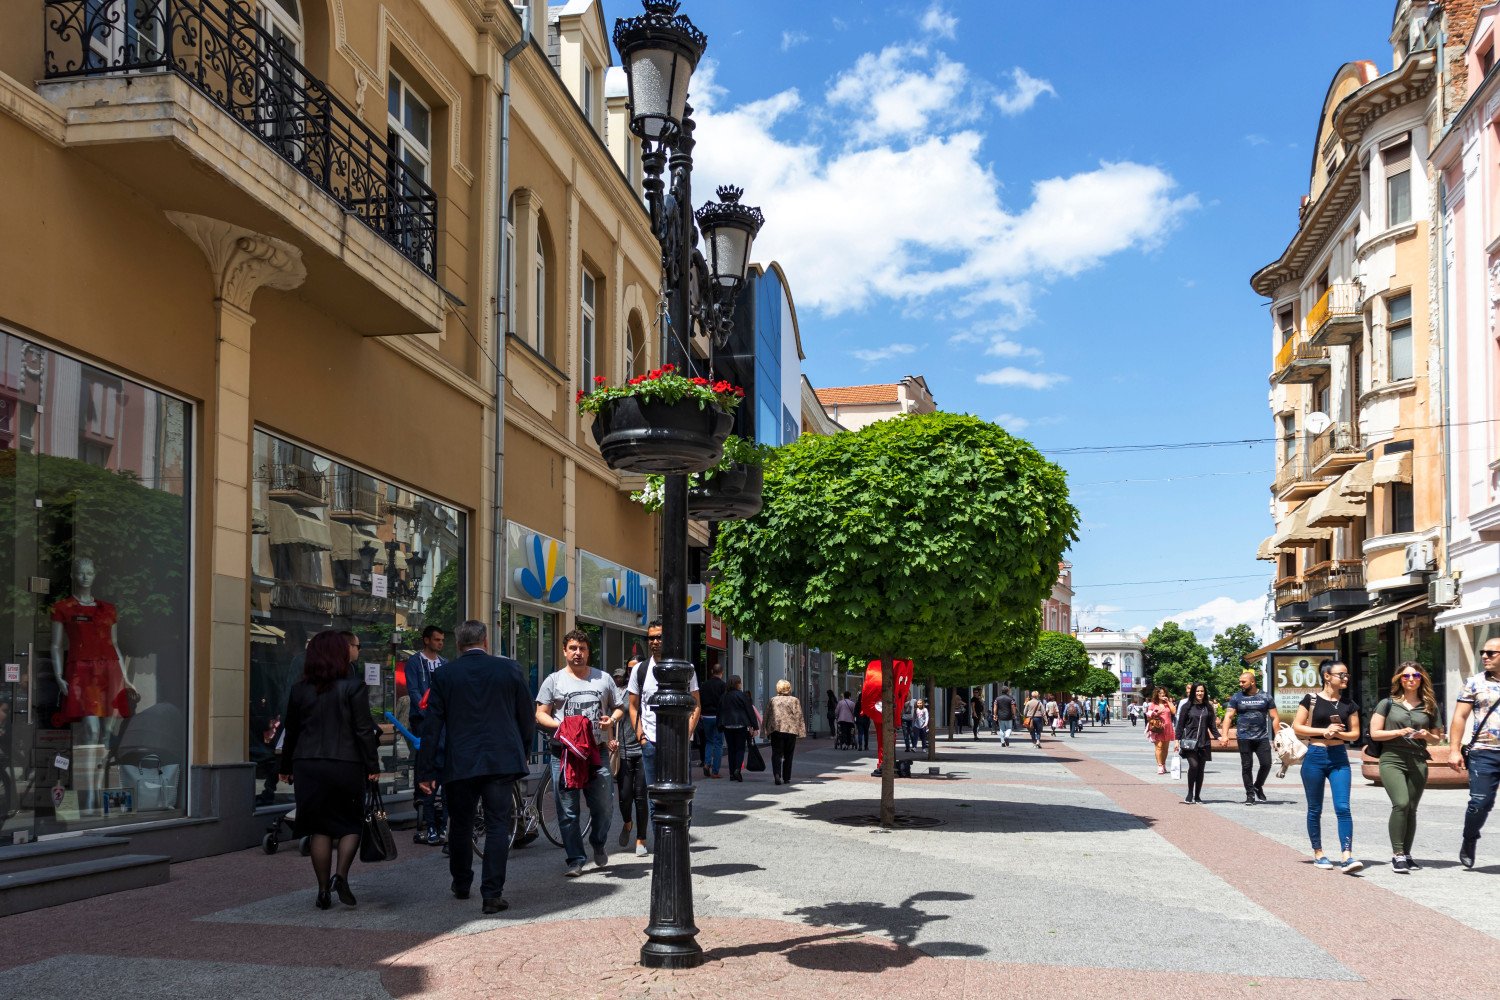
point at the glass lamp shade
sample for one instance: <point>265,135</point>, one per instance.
<point>729,231</point>
<point>660,49</point>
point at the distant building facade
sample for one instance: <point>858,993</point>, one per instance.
<point>856,406</point>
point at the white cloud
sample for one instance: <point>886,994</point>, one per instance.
<point>791,39</point>
<point>1012,423</point>
<point>1026,91</point>
<point>1020,378</point>
<point>1256,139</point>
<point>1002,346</point>
<point>937,21</point>
<point>915,218</point>
<point>884,353</point>
<point>1212,617</point>
<point>900,91</point>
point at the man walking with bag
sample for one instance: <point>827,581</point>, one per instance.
<point>1477,750</point>
<point>479,705</point>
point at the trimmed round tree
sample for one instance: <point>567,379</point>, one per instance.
<point>899,540</point>
<point>975,660</point>
<point>1059,664</point>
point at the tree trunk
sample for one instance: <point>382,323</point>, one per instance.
<point>931,720</point>
<point>888,741</point>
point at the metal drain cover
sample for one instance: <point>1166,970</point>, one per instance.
<point>904,821</point>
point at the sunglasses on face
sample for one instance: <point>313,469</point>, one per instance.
<point>1489,652</point>
<point>1411,677</point>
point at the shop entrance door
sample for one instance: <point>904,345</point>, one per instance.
<point>26,807</point>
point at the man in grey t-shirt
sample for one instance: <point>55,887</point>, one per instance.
<point>1257,722</point>
<point>578,689</point>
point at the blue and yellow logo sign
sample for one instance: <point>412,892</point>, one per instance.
<point>629,594</point>
<point>542,580</point>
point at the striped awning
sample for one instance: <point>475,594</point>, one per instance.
<point>1393,468</point>
<point>288,527</point>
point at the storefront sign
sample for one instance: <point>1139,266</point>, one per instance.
<point>372,674</point>
<point>12,673</point>
<point>714,632</point>
<point>1295,673</point>
<point>380,585</point>
<point>697,595</point>
<point>536,566</point>
<point>614,594</point>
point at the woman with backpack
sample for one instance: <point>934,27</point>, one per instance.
<point>1329,721</point>
<point>1400,731</point>
<point>1197,722</point>
<point>1159,728</point>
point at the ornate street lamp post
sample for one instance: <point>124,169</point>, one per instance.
<point>660,49</point>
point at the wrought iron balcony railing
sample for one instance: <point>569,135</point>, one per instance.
<point>1340,303</point>
<point>1339,438</point>
<point>220,48</point>
<point>1335,575</point>
<point>294,480</point>
<point>1290,590</point>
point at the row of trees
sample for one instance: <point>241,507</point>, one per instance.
<point>1175,658</point>
<point>931,537</point>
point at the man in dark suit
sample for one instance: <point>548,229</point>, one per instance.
<point>483,705</point>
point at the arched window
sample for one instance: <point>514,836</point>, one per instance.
<point>635,347</point>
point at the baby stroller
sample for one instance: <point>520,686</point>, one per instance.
<point>844,740</point>
<point>273,838</point>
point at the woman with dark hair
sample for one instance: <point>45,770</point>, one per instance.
<point>832,713</point>
<point>1329,721</point>
<point>1401,729</point>
<point>328,754</point>
<point>737,719</point>
<point>1197,722</point>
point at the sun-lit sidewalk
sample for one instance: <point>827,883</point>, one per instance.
<point>1077,856</point>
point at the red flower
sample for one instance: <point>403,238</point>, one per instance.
<point>578,398</point>
<point>599,380</point>
<point>669,368</point>
<point>700,381</point>
<point>739,393</point>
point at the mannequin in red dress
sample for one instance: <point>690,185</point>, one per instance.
<point>85,640</point>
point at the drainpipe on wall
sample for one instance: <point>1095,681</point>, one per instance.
<point>502,327</point>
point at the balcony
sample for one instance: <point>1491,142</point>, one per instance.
<point>197,107</point>
<point>1291,599</point>
<point>1295,479</point>
<point>1336,318</point>
<point>296,485</point>
<point>1338,448</point>
<point>1299,361</point>
<point>302,597</point>
<point>1336,586</point>
<point>357,505</point>
<point>361,606</point>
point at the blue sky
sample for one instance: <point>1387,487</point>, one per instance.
<point>1053,217</point>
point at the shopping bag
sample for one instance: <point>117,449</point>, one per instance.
<point>753,760</point>
<point>376,842</point>
<point>1175,766</point>
<point>153,785</point>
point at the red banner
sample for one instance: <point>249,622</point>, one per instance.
<point>870,695</point>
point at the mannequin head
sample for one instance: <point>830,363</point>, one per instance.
<point>84,572</point>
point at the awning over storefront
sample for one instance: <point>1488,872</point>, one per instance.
<point>268,634</point>
<point>291,528</point>
<point>347,540</point>
<point>1267,550</point>
<point>1394,468</point>
<point>1296,531</point>
<point>1367,619</point>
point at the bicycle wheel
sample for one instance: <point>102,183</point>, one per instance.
<point>478,832</point>
<point>525,828</point>
<point>546,813</point>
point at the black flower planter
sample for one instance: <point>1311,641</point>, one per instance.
<point>732,495</point>
<point>647,436</point>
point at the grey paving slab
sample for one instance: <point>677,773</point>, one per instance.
<point>170,979</point>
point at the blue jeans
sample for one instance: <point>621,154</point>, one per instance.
<point>1005,726</point>
<point>1331,763</point>
<point>908,735</point>
<point>713,744</point>
<point>599,793</point>
<point>1484,778</point>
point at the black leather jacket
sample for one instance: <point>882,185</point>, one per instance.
<point>334,725</point>
<point>735,710</point>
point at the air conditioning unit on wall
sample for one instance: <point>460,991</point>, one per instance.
<point>1443,592</point>
<point>1419,558</point>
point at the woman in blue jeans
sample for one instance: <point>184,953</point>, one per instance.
<point>1329,722</point>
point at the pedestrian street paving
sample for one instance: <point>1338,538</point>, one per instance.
<point>1076,860</point>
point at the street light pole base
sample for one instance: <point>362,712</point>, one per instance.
<point>671,954</point>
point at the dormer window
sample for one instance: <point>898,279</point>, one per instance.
<point>1487,59</point>
<point>586,96</point>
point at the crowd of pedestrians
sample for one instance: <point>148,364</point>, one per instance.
<point>477,720</point>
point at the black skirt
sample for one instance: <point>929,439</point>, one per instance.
<point>330,797</point>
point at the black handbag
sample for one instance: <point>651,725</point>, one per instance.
<point>376,842</point>
<point>753,759</point>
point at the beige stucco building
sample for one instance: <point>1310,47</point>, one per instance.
<point>1356,380</point>
<point>856,406</point>
<point>249,345</point>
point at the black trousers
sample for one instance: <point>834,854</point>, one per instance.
<point>736,737</point>
<point>1197,763</point>
<point>783,746</point>
<point>496,793</point>
<point>632,789</point>
<point>1260,749</point>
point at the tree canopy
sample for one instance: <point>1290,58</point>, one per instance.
<point>1228,651</point>
<point>1059,664</point>
<point>902,539</point>
<point>1097,683</point>
<point>1175,658</point>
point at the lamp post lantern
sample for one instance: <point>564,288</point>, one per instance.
<point>660,49</point>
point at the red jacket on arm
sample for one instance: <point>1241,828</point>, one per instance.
<point>580,758</point>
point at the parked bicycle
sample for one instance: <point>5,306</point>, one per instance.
<point>533,814</point>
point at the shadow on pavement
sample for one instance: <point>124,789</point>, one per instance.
<point>1002,817</point>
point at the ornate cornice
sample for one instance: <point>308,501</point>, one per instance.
<point>1413,81</point>
<point>242,261</point>
<point>1320,222</point>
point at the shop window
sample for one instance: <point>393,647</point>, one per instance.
<point>338,547</point>
<point>96,505</point>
